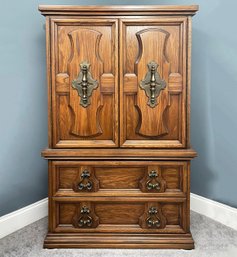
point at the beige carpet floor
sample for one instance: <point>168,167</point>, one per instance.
<point>212,239</point>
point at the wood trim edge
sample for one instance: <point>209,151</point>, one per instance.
<point>118,9</point>
<point>107,154</point>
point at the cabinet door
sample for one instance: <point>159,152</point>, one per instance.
<point>153,57</point>
<point>84,82</point>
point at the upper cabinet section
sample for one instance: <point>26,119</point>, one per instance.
<point>118,76</point>
<point>84,79</point>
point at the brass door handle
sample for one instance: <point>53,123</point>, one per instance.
<point>84,84</point>
<point>152,84</point>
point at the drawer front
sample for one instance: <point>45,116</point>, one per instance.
<point>87,214</point>
<point>100,178</point>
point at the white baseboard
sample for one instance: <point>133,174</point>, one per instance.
<point>217,211</point>
<point>18,219</point>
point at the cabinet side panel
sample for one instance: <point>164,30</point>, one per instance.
<point>48,69</point>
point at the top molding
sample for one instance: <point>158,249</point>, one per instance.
<point>183,10</point>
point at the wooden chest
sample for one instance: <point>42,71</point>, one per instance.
<point>118,126</point>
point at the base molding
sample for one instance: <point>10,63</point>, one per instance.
<point>100,240</point>
<point>18,219</point>
<point>217,211</point>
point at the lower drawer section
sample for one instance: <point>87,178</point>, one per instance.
<point>119,215</point>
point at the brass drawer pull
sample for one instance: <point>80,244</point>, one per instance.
<point>85,183</point>
<point>153,221</point>
<point>84,84</point>
<point>87,186</point>
<point>152,84</point>
<point>152,183</point>
<point>151,186</point>
<point>85,216</point>
<point>85,220</point>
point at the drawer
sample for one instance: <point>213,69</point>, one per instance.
<point>120,215</point>
<point>118,178</point>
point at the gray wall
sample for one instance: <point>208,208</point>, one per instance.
<point>23,102</point>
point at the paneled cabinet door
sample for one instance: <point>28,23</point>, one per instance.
<point>84,92</point>
<point>153,81</point>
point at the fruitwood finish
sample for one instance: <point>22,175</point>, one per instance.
<point>119,148</point>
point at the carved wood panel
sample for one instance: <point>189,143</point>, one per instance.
<point>158,42</point>
<point>91,44</point>
<point>85,48</point>
<point>152,46</point>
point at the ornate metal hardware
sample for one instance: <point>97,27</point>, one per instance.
<point>85,220</point>
<point>153,183</point>
<point>152,84</point>
<point>153,221</point>
<point>85,183</point>
<point>84,84</point>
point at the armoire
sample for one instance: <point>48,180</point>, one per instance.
<point>119,126</point>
